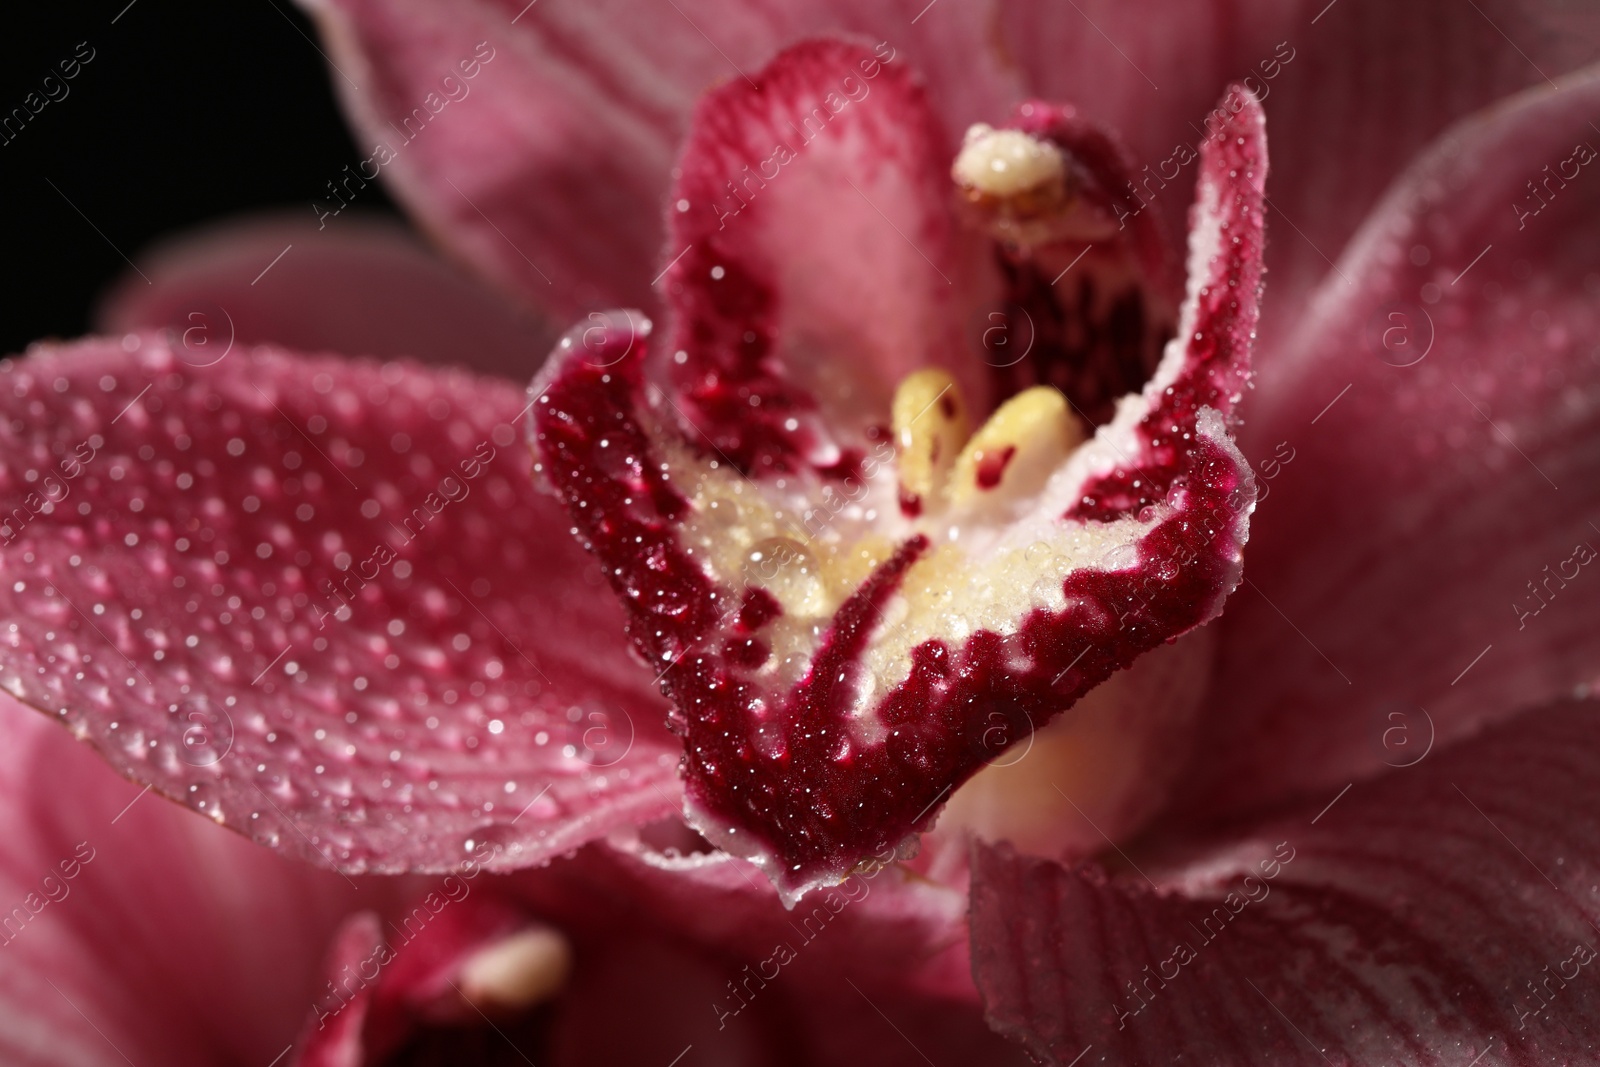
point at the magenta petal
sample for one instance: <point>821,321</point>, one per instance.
<point>392,986</point>
<point>547,168</point>
<point>726,966</point>
<point>782,775</point>
<point>813,251</point>
<point>361,286</point>
<point>1416,570</point>
<point>319,601</point>
<point>133,930</point>
<point>1350,96</point>
<point>1361,61</point>
<point>1429,915</point>
<point>336,1036</point>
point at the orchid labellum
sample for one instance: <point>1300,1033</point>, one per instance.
<point>958,592</point>
<point>837,669</point>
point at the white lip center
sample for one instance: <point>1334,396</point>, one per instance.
<point>989,502</point>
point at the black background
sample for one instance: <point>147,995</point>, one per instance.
<point>190,110</point>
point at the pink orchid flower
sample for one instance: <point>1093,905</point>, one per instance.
<point>876,716</point>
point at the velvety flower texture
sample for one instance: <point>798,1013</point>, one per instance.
<point>906,458</point>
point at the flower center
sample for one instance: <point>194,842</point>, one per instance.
<point>979,512</point>
<point>975,513</point>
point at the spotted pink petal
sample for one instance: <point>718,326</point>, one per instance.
<point>133,930</point>
<point>811,775</point>
<point>550,171</point>
<point>319,601</point>
<point>1422,561</point>
<point>1431,915</point>
<point>780,308</point>
<point>359,286</point>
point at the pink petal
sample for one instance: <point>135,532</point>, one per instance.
<point>134,929</point>
<point>818,253</point>
<point>717,961</point>
<point>1427,917</point>
<point>785,774</point>
<point>1350,96</point>
<point>396,988</point>
<point>358,285</point>
<point>1146,71</point>
<point>549,173</point>
<point>1364,102</point>
<point>177,604</point>
<point>334,1038</point>
<point>1217,325</point>
<point>1390,596</point>
<point>680,940</point>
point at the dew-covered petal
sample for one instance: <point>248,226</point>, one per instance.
<point>319,601</point>
<point>836,665</point>
<point>541,137</point>
<point>360,286</point>
<point>134,930</point>
<point>1432,915</point>
<point>1430,447</point>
